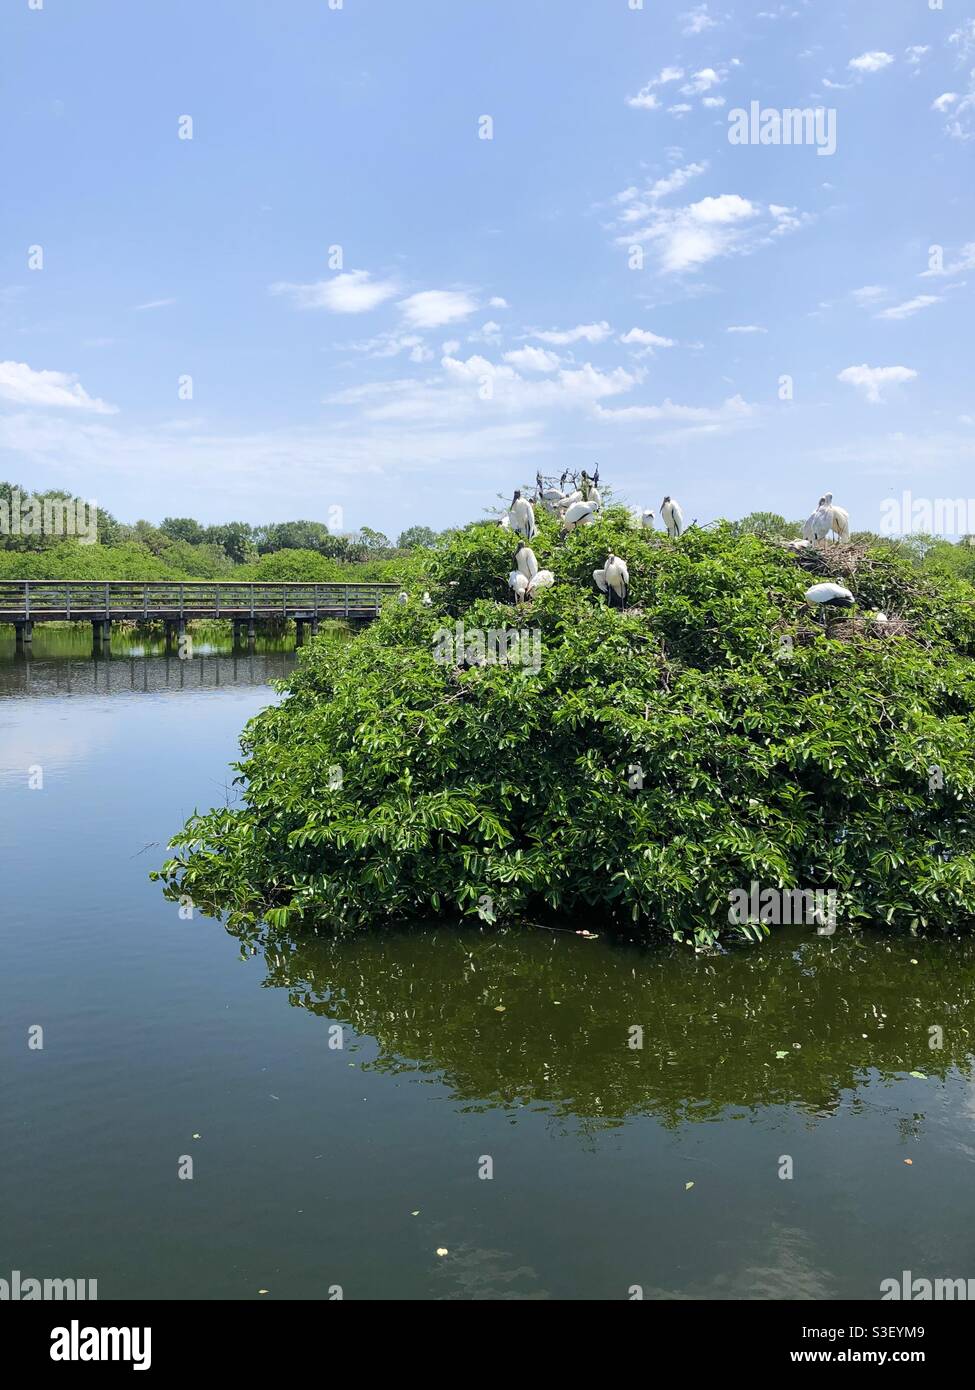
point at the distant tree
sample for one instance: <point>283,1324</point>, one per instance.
<point>182,528</point>
<point>237,539</point>
<point>768,525</point>
<point>416,536</point>
<point>374,541</point>
<point>299,535</point>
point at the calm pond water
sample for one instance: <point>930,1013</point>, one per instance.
<point>317,1165</point>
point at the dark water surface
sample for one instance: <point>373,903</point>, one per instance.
<point>312,1158</point>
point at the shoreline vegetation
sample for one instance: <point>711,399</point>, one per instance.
<point>656,760</point>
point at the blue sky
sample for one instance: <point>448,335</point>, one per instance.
<point>480,323</point>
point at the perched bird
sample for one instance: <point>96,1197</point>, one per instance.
<point>505,523</point>
<point>521,516</point>
<point>579,514</point>
<point>672,517</point>
<point>829,596</point>
<point>567,499</point>
<point>404,596</point>
<point>524,587</point>
<point>426,600</point>
<point>613,579</point>
<point>797,545</point>
<point>827,517</point>
<point>518,584</point>
<point>646,519</point>
<point>525,562</point>
<point>594,496</point>
<point>839,518</point>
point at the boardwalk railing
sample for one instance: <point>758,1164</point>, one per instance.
<point>58,600</point>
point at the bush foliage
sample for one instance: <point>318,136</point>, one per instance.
<point>771,746</point>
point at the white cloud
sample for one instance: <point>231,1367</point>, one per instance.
<point>697,20</point>
<point>353,292</point>
<point>591,332</point>
<point>909,307</point>
<point>644,339</point>
<point>22,385</point>
<point>681,109</point>
<point>686,238</point>
<point>746,328</point>
<point>496,302</point>
<point>533,359</point>
<point>392,344</point>
<point>700,82</point>
<point>872,381</point>
<point>713,101</point>
<point>874,61</point>
<point>154,304</point>
<point>916,52</point>
<point>734,410</point>
<point>434,308</point>
<point>944,101</point>
<point>646,98</point>
<point>869,294</point>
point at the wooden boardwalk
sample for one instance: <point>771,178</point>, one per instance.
<point>25,602</point>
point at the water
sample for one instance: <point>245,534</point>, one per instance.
<point>312,1159</point>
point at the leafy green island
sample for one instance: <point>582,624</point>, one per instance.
<point>715,732</point>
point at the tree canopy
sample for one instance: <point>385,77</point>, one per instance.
<point>391,784</point>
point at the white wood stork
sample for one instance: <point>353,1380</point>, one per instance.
<point>579,514</point>
<point>829,596</point>
<point>404,596</point>
<point>525,561</point>
<point>426,600</point>
<point>613,579</point>
<point>524,587</point>
<point>505,522</point>
<point>827,517</point>
<point>839,519</point>
<point>645,519</point>
<point>521,516</point>
<point>672,517</point>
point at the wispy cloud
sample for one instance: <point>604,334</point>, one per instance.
<point>352,292</point>
<point>685,238</point>
<point>696,21</point>
<point>873,381</point>
<point>874,61</point>
<point>23,385</point>
<point>434,308</point>
<point>909,307</point>
<point>590,332</point>
<point>153,304</point>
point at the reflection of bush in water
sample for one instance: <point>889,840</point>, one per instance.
<point>712,1026</point>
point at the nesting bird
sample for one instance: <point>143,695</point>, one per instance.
<point>826,518</point>
<point>672,517</point>
<point>521,517</point>
<point>829,596</point>
<point>578,514</point>
<point>613,579</point>
<point>524,587</point>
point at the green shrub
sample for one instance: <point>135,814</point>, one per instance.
<point>769,749</point>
